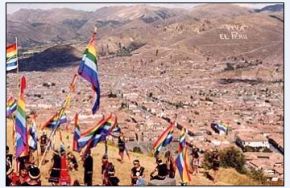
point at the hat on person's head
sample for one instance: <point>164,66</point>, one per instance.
<point>62,150</point>
<point>34,173</point>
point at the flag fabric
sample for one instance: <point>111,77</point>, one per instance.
<point>11,106</point>
<point>164,139</point>
<point>11,57</point>
<point>182,166</point>
<point>60,117</point>
<point>20,123</point>
<point>181,159</point>
<point>77,133</point>
<point>32,141</point>
<point>93,136</point>
<point>116,132</point>
<point>54,121</point>
<point>182,141</point>
<point>88,69</point>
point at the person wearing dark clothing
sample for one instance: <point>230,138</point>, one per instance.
<point>122,147</point>
<point>136,172</point>
<point>112,180</point>
<point>55,170</point>
<point>106,168</point>
<point>23,162</point>
<point>43,142</point>
<point>161,170</point>
<point>88,169</point>
<point>170,164</point>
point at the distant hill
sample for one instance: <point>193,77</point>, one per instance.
<point>195,33</point>
<point>55,57</point>
<point>272,8</point>
<point>219,10</point>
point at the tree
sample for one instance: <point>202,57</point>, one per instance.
<point>232,157</point>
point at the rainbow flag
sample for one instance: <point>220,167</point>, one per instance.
<point>20,123</point>
<point>164,139</point>
<point>32,141</point>
<point>98,133</point>
<point>181,159</point>
<point>60,117</point>
<point>77,133</point>
<point>182,141</point>
<point>88,69</point>
<point>182,166</point>
<point>54,121</point>
<point>11,106</point>
<point>11,57</point>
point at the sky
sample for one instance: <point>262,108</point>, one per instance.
<point>11,8</point>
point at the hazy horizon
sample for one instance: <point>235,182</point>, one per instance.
<point>13,7</point>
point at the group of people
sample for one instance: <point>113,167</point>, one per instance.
<point>28,173</point>
<point>62,163</point>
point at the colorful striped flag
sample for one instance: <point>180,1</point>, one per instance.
<point>11,57</point>
<point>32,141</point>
<point>164,139</point>
<point>60,117</point>
<point>11,106</point>
<point>182,141</point>
<point>181,159</point>
<point>77,133</point>
<point>88,69</point>
<point>20,123</point>
<point>93,136</point>
<point>54,121</point>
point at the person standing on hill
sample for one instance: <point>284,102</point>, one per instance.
<point>121,146</point>
<point>43,142</point>
<point>106,168</point>
<point>88,169</point>
<point>64,172</point>
<point>55,169</point>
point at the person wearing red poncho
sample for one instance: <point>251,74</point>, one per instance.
<point>64,172</point>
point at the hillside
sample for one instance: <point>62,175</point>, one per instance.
<point>225,176</point>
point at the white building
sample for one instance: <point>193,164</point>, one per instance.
<point>253,140</point>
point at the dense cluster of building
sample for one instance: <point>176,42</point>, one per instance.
<point>144,94</point>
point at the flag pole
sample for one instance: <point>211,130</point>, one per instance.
<point>53,132</point>
<point>17,55</point>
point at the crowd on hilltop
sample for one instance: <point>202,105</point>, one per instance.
<point>62,163</point>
